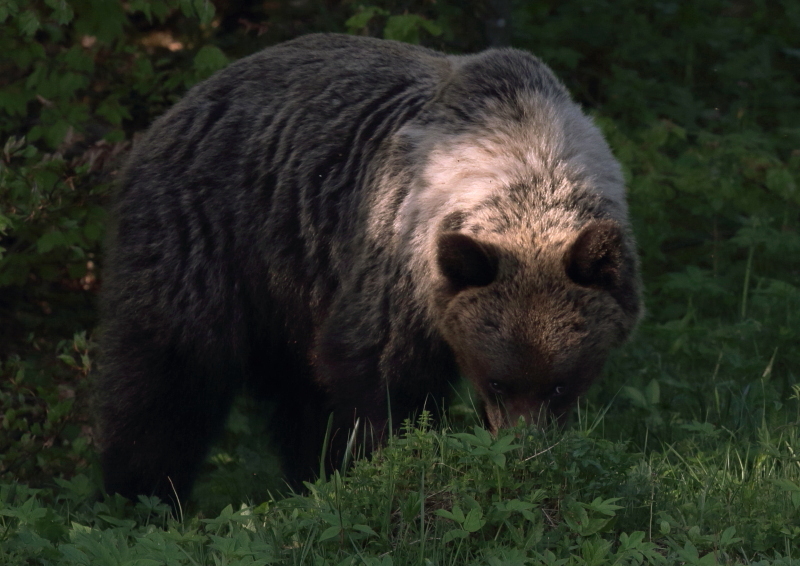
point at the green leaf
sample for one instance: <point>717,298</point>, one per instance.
<point>14,101</point>
<point>79,339</point>
<point>365,529</point>
<point>406,27</point>
<point>70,82</point>
<point>78,60</point>
<point>431,27</point>
<point>209,59</point>
<point>504,444</point>
<point>691,556</point>
<point>456,514</point>
<point>632,541</point>
<point>727,537</point>
<point>62,12</point>
<point>28,23</point>
<point>359,21</point>
<point>69,360</point>
<point>5,223</point>
<point>73,554</point>
<point>329,533</point>
<point>780,181</point>
<point>636,396</point>
<point>474,521</point>
<point>652,392</point>
<point>93,231</point>
<point>499,460</point>
<point>604,506</point>
<point>403,27</point>
<point>112,110</point>
<point>105,20</point>
<point>483,435</point>
<point>595,550</point>
<point>54,133</point>
<point>143,6</point>
<point>187,7</point>
<point>444,513</point>
<point>786,485</point>
<point>454,534</point>
<point>204,10</point>
<point>5,11</point>
<point>50,240</point>
<point>518,505</point>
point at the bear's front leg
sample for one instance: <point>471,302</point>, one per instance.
<point>159,411</point>
<point>360,410</point>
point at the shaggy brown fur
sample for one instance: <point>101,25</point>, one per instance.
<point>347,225</point>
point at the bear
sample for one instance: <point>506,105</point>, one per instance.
<point>347,226</point>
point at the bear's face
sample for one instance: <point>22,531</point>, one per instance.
<point>532,334</point>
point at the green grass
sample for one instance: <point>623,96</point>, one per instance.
<point>523,497</point>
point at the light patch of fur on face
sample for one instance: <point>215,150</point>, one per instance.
<point>556,142</point>
<point>550,151</point>
<point>458,176</point>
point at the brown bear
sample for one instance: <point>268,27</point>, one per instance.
<point>346,225</point>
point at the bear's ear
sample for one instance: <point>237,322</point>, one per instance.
<point>595,257</point>
<point>465,261</point>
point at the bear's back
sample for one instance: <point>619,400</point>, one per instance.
<point>262,174</point>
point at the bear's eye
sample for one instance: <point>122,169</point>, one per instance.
<point>558,390</point>
<point>497,388</point>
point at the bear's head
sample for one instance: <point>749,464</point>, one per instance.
<point>531,324</point>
